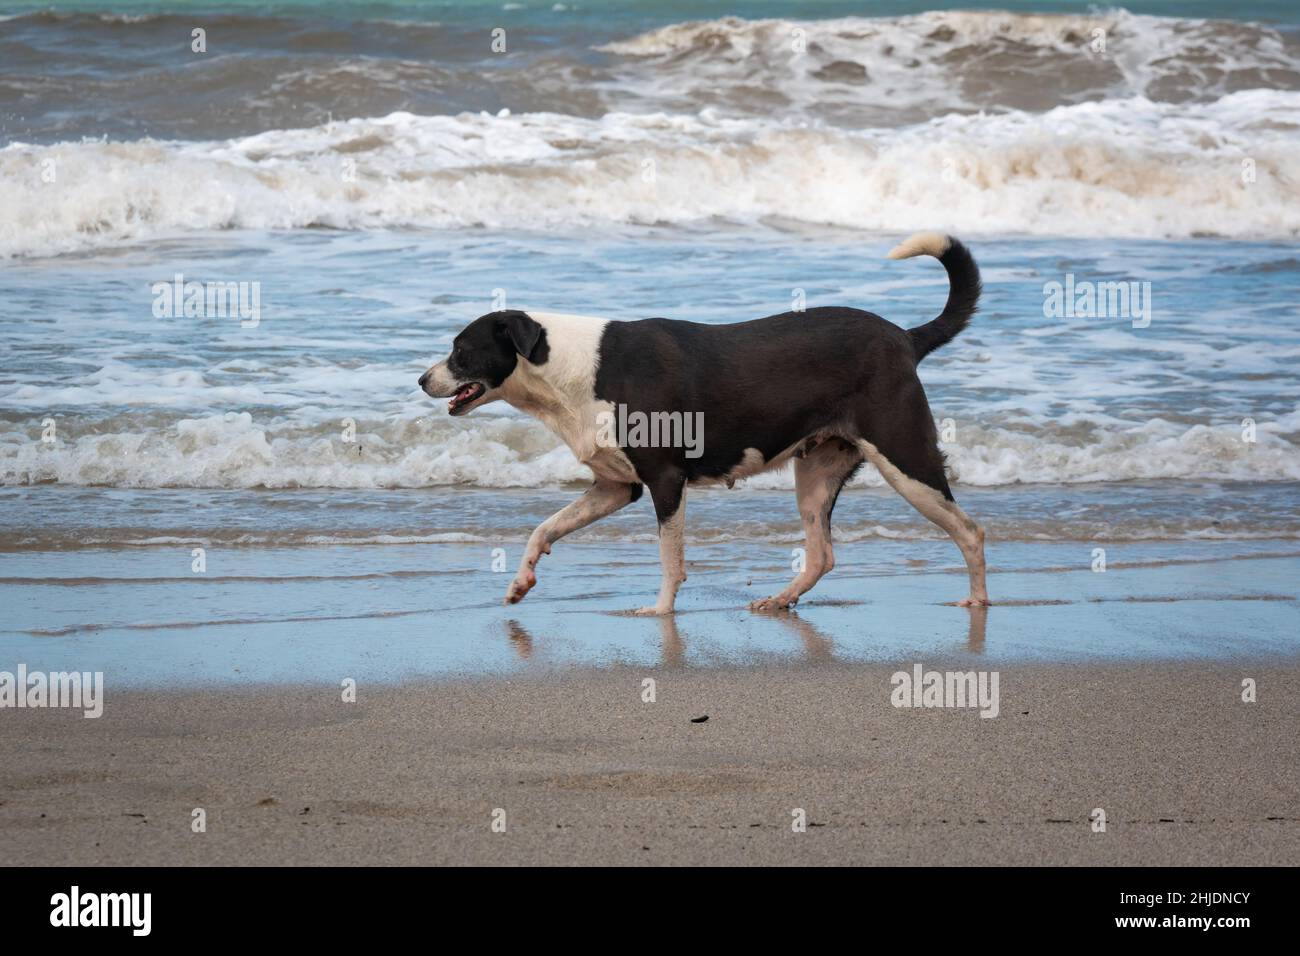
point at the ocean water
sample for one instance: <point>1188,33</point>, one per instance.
<point>380,176</point>
<point>321,394</point>
<point>1103,124</point>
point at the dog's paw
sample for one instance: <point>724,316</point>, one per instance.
<point>778,602</point>
<point>652,611</point>
<point>519,587</point>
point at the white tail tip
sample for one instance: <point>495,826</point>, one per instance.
<point>921,244</point>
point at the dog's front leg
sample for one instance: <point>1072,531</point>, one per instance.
<point>601,499</point>
<point>669,494</point>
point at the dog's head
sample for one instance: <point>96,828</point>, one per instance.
<point>483,356</point>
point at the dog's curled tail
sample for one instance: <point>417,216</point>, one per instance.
<point>963,288</point>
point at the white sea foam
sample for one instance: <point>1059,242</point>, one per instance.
<point>1121,168</point>
<point>951,60</point>
<point>234,451</point>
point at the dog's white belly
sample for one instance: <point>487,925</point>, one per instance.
<point>751,463</point>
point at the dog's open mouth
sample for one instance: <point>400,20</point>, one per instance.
<point>465,395</point>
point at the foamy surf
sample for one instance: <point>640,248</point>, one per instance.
<point>1131,168</point>
<point>235,451</point>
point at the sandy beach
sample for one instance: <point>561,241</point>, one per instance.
<point>585,771</point>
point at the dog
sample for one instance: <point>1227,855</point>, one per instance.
<point>829,388</point>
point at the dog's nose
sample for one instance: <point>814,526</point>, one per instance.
<point>424,378</point>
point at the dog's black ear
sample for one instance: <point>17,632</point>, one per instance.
<point>528,336</point>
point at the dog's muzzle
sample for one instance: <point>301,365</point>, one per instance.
<point>438,382</point>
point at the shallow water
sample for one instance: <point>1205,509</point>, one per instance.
<point>406,612</point>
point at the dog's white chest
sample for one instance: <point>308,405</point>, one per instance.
<point>585,438</point>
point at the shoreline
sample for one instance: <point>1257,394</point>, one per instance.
<point>390,615</point>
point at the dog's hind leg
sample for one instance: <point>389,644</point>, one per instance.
<point>818,478</point>
<point>669,494</point>
<point>936,504</point>
<point>601,499</point>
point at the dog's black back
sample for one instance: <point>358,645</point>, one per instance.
<point>769,383</point>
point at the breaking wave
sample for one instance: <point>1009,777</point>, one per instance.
<point>1133,168</point>
<point>234,451</point>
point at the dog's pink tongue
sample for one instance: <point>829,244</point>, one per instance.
<point>462,395</point>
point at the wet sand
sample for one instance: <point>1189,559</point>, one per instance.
<point>587,772</point>
<point>317,615</point>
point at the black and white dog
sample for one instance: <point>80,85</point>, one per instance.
<point>829,388</point>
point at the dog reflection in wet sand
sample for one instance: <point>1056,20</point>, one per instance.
<point>817,645</point>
